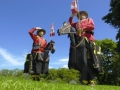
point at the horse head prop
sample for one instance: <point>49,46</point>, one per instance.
<point>50,46</point>
<point>65,29</point>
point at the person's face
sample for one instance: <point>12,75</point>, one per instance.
<point>41,33</point>
<point>82,16</point>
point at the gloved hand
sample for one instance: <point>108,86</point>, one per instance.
<point>79,31</point>
<point>38,28</point>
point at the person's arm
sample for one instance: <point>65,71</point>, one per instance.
<point>73,24</point>
<point>89,25</point>
<point>31,32</point>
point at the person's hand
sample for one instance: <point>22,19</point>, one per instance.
<point>79,31</point>
<point>38,28</point>
<point>73,14</point>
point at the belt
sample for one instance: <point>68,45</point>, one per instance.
<point>90,32</point>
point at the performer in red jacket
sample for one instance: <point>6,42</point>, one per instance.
<point>38,39</point>
<point>86,24</point>
<point>39,45</point>
<point>85,27</point>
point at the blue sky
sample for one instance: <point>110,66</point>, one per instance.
<point>17,17</point>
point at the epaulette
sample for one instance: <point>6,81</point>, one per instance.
<point>37,36</point>
<point>42,38</point>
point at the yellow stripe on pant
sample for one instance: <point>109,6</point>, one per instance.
<point>95,49</point>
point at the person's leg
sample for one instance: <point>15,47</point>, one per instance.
<point>45,68</point>
<point>91,72</point>
<point>84,75</point>
<point>39,66</point>
<point>38,69</point>
<point>34,74</point>
<point>92,76</point>
<point>32,64</point>
<point>35,67</point>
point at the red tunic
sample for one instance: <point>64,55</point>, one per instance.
<point>37,40</point>
<point>86,25</point>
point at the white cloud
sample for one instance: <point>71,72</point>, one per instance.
<point>12,59</point>
<point>64,60</point>
<point>65,66</point>
<point>59,62</point>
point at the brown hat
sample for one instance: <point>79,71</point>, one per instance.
<point>82,12</point>
<point>40,31</point>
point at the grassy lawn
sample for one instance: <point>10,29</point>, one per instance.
<point>11,83</point>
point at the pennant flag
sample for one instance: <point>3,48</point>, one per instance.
<point>74,8</point>
<point>52,33</point>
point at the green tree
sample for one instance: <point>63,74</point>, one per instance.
<point>110,62</point>
<point>113,18</point>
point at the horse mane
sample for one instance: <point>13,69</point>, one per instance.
<point>48,45</point>
<point>71,30</point>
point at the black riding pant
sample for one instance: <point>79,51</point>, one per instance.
<point>87,73</point>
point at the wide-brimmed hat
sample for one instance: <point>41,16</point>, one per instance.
<point>44,31</point>
<point>82,12</point>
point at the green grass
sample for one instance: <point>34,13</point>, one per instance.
<point>14,83</point>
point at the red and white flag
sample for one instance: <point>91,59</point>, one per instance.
<point>52,33</point>
<point>74,8</point>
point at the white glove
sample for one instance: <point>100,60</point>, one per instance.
<point>38,28</point>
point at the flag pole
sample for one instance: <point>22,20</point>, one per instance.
<point>50,38</point>
<point>50,35</point>
<point>78,10</point>
<point>78,16</point>
<point>51,32</point>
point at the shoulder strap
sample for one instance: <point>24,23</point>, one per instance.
<point>86,39</point>
<point>95,51</point>
<point>41,40</point>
